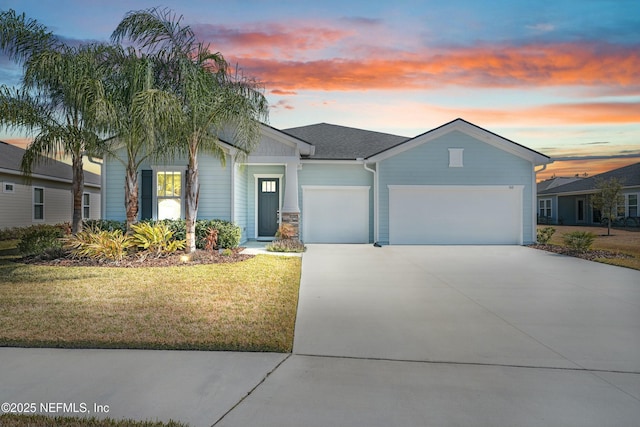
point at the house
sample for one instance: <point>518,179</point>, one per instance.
<point>570,203</point>
<point>455,184</point>
<point>47,197</point>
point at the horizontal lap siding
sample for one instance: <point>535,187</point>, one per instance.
<point>215,186</point>
<point>428,164</point>
<point>336,175</point>
<point>240,200</point>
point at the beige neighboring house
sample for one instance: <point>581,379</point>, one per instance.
<point>46,198</point>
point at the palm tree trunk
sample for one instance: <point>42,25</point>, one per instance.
<point>131,194</point>
<point>192,193</point>
<point>78,189</point>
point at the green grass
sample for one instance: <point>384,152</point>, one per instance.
<point>244,306</point>
<point>17,420</point>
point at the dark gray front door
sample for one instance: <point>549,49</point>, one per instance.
<point>268,203</point>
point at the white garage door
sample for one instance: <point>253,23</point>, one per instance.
<point>450,214</point>
<point>335,214</point>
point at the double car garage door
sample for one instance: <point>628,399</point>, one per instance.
<point>418,214</point>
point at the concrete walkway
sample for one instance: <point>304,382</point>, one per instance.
<point>392,336</point>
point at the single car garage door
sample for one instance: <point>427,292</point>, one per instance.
<point>335,214</point>
<point>451,214</point>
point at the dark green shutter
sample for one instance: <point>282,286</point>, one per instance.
<point>146,195</point>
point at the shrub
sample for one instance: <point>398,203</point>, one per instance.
<point>154,239</point>
<point>211,239</point>
<point>229,234</point>
<point>41,239</point>
<point>580,241</point>
<point>285,245</point>
<point>13,233</point>
<point>544,234</point>
<point>286,231</point>
<point>99,244</point>
<point>105,224</point>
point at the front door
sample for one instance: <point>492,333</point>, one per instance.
<point>268,204</point>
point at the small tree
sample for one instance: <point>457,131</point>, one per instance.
<point>608,199</point>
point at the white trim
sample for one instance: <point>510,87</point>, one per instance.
<point>33,203</point>
<point>336,187</point>
<point>334,162</point>
<point>86,206</point>
<point>154,189</point>
<point>256,176</point>
<point>7,183</point>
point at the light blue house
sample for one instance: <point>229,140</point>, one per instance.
<point>456,184</point>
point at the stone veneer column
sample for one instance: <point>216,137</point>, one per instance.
<point>290,210</point>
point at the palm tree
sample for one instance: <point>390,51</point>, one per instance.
<point>56,100</point>
<point>129,113</point>
<point>211,98</point>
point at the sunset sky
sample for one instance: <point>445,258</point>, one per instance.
<point>561,77</point>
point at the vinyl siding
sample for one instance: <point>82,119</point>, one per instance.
<point>16,209</point>
<point>428,164</point>
<point>215,186</point>
<point>240,200</point>
<point>331,174</point>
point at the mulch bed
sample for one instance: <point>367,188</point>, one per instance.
<point>175,260</point>
<point>590,255</point>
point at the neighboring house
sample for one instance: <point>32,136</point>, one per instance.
<point>570,204</point>
<point>456,184</point>
<point>44,199</point>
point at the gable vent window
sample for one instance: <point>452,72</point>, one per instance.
<point>455,157</point>
<point>8,187</point>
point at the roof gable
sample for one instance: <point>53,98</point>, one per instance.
<point>472,130</point>
<point>628,175</point>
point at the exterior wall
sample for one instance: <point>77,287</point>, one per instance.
<point>252,171</point>
<point>215,186</point>
<point>16,209</point>
<point>268,147</point>
<point>240,209</point>
<point>428,164</point>
<point>332,174</point>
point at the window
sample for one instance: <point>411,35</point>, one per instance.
<point>455,157</point>
<point>632,205</point>
<point>544,208</point>
<point>8,187</point>
<point>86,206</point>
<point>38,204</point>
<point>169,194</point>
<point>269,186</point>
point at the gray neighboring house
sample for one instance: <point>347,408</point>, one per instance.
<point>455,184</point>
<point>570,203</point>
<point>47,197</point>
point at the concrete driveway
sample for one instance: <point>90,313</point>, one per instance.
<point>456,336</point>
<point>392,336</point>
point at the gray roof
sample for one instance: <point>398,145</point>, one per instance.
<point>555,182</point>
<point>335,142</point>
<point>11,157</point>
<point>628,175</point>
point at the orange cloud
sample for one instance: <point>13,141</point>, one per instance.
<point>581,167</point>
<point>486,66</point>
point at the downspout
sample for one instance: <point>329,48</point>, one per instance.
<point>375,200</point>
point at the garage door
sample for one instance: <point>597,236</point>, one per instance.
<point>335,214</point>
<point>448,214</point>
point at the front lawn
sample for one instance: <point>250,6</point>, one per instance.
<point>620,241</point>
<point>18,420</point>
<point>245,306</point>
